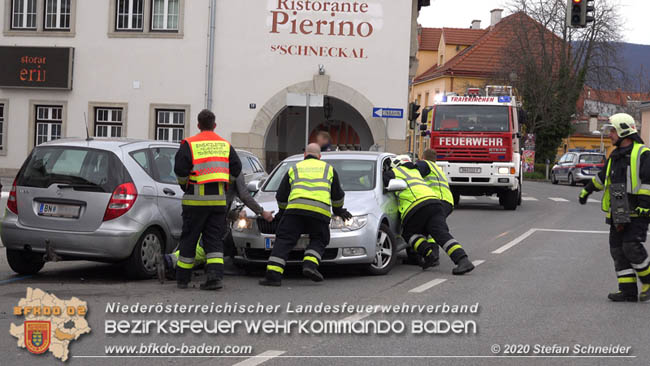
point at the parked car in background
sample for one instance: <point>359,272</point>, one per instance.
<point>577,167</point>
<point>369,239</point>
<point>251,166</point>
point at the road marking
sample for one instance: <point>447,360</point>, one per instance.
<point>558,199</point>
<point>533,230</point>
<point>529,199</point>
<point>494,198</point>
<point>593,200</point>
<point>428,285</point>
<point>471,198</point>
<point>10,280</point>
<point>502,234</point>
<point>478,262</point>
<point>261,358</point>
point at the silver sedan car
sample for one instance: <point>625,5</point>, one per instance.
<point>370,239</point>
<point>108,200</point>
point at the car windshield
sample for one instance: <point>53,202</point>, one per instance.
<point>472,118</point>
<point>86,169</point>
<point>592,159</point>
<point>355,175</point>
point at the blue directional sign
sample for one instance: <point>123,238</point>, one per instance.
<point>388,112</point>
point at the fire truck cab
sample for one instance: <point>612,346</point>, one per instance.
<point>476,139</point>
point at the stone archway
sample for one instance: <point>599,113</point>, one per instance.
<point>321,84</point>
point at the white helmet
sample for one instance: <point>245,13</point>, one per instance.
<point>399,160</point>
<point>623,123</point>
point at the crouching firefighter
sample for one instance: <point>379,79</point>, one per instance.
<point>203,165</point>
<point>309,192</point>
<point>626,200</point>
<point>423,215</point>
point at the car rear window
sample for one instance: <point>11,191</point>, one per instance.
<point>592,159</point>
<point>86,169</point>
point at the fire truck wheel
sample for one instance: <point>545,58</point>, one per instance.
<point>520,190</point>
<point>509,199</point>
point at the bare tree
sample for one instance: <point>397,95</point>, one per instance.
<point>548,64</point>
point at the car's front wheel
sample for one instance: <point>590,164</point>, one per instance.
<point>24,262</point>
<point>553,178</point>
<point>385,255</point>
<point>572,181</point>
<point>142,262</point>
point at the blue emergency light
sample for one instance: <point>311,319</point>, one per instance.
<point>505,99</point>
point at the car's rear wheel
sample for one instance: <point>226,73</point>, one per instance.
<point>553,178</point>
<point>24,262</point>
<point>385,255</point>
<point>142,262</point>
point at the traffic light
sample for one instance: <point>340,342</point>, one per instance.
<point>579,13</point>
<point>426,115</point>
<point>413,112</point>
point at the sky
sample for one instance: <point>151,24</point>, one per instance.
<point>460,13</point>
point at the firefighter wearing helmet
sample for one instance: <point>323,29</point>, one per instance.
<point>423,216</point>
<point>626,202</point>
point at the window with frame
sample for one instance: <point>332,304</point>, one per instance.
<point>108,122</point>
<point>23,14</point>
<point>164,15</point>
<point>57,14</point>
<point>2,125</point>
<point>170,125</point>
<point>49,123</point>
<point>130,15</point>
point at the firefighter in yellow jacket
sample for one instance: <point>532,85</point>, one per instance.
<point>203,166</point>
<point>307,196</point>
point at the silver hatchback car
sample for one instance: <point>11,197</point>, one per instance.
<point>370,239</point>
<point>108,200</point>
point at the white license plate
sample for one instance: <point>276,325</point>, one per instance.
<point>57,210</point>
<point>472,170</point>
<point>268,243</point>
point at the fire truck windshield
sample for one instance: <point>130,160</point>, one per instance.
<point>472,118</point>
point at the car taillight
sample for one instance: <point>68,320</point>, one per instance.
<point>12,201</point>
<point>121,201</point>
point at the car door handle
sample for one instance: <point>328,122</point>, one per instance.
<point>169,192</point>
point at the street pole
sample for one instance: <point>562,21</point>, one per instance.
<point>385,134</point>
<point>307,122</point>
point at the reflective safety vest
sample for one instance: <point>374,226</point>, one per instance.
<point>210,164</point>
<point>633,178</point>
<point>416,191</point>
<point>437,181</point>
<point>311,185</point>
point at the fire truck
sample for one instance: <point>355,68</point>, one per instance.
<point>476,138</point>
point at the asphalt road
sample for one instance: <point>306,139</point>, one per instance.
<point>543,275</point>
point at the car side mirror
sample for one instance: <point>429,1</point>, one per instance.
<point>254,186</point>
<point>395,185</point>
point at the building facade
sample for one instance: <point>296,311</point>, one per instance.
<point>145,68</point>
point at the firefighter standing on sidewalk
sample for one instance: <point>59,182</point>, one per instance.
<point>422,215</point>
<point>626,181</point>
<point>309,192</point>
<point>203,166</point>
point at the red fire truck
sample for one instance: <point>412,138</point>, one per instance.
<point>476,138</point>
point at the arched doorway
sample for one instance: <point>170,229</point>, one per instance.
<point>286,135</point>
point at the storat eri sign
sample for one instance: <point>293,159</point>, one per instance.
<point>470,141</point>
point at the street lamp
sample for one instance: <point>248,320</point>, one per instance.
<point>598,132</point>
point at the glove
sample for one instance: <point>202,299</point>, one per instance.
<point>278,216</point>
<point>343,213</point>
<point>584,194</point>
<point>642,212</point>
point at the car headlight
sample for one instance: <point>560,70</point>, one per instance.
<point>242,224</point>
<point>503,170</point>
<point>355,223</point>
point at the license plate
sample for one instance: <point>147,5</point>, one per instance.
<point>268,243</point>
<point>57,210</point>
<point>472,170</point>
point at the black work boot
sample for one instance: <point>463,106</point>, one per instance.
<point>620,296</point>
<point>183,276</point>
<point>212,282</point>
<point>271,278</point>
<point>645,293</point>
<point>432,259</point>
<point>310,269</point>
<point>464,266</point>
